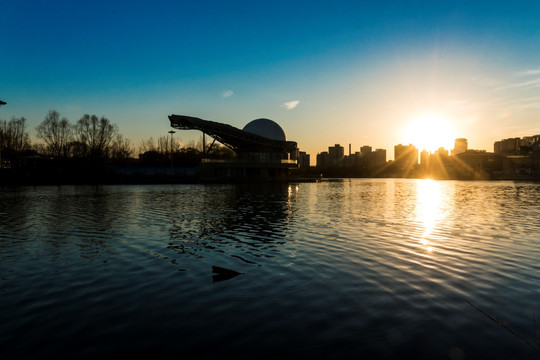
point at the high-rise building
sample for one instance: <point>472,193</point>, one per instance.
<point>424,159</point>
<point>304,160</point>
<point>507,146</point>
<point>365,150</point>
<point>441,152</point>
<point>323,159</point>
<point>336,154</point>
<point>518,146</point>
<point>460,146</point>
<point>406,154</point>
<point>379,157</point>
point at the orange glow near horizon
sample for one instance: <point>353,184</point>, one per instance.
<point>430,132</point>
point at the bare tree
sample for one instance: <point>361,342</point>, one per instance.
<point>14,138</point>
<point>147,145</point>
<point>163,145</point>
<point>96,136</point>
<point>56,133</point>
<point>194,145</point>
<point>121,148</point>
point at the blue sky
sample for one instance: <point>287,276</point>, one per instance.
<point>327,72</point>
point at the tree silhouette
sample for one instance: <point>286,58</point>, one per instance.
<point>95,136</point>
<point>56,133</point>
<point>121,149</point>
<point>14,138</point>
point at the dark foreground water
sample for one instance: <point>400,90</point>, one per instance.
<point>345,269</point>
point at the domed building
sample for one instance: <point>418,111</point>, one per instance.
<point>261,148</point>
<point>266,128</point>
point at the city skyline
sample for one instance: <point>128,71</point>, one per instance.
<point>414,73</point>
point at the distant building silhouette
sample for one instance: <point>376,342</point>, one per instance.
<point>365,150</point>
<point>261,148</point>
<point>520,157</point>
<point>527,145</point>
<point>363,163</point>
<point>405,157</point>
<point>442,151</point>
<point>323,160</point>
<point>460,146</point>
<point>507,146</point>
<point>425,160</point>
<point>304,160</point>
<point>379,158</point>
<point>336,155</point>
<point>467,165</point>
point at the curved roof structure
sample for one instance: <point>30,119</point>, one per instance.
<point>234,138</point>
<point>266,128</point>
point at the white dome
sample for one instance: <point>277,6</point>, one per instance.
<point>266,128</point>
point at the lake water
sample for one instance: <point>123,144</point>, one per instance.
<point>336,269</point>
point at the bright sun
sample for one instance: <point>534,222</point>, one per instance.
<point>430,132</point>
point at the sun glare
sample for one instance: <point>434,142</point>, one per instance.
<point>428,211</point>
<point>430,132</point>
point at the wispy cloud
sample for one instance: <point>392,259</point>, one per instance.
<point>458,103</point>
<point>529,72</point>
<point>227,93</point>
<point>485,81</point>
<point>507,93</point>
<point>289,105</point>
<point>526,84</point>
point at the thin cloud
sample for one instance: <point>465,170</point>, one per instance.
<point>461,103</point>
<point>526,84</point>
<point>485,81</point>
<point>289,105</point>
<point>227,93</point>
<point>529,72</point>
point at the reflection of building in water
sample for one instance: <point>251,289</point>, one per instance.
<point>246,221</point>
<point>262,150</point>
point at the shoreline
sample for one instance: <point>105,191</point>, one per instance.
<point>14,178</point>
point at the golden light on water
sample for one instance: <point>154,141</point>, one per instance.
<point>428,209</point>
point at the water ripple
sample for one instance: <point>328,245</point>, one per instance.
<point>351,268</point>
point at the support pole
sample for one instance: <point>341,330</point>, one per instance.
<point>1,166</point>
<point>172,149</point>
<point>204,144</point>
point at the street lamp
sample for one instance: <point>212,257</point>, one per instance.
<point>172,132</point>
<point>1,166</point>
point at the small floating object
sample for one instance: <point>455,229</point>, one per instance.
<point>221,274</point>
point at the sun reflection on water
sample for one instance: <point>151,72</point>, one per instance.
<point>428,210</point>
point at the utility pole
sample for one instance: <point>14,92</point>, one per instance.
<point>1,166</point>
<point>204,144</point>
<point>172,132</point>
